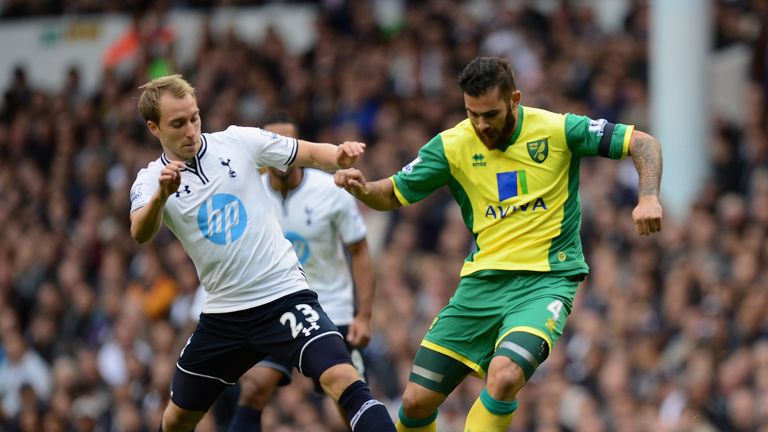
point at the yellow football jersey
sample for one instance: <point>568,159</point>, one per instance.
<point>520,201</point>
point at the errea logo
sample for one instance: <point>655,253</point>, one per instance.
<point>478,160</point>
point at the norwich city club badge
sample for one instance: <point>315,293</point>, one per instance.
<point>538,150</point>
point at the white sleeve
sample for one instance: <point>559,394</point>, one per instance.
<point>266,148</point>
<point>143,188</point>
<point>349,222</point>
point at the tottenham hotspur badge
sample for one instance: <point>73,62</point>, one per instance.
<point>232,172</point>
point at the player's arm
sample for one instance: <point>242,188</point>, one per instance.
<point>378,195</point>
<point>145,222</point>
<point>645,151</point>
<point>328,157</point>
<point>588,137</point>
<point>362,273</point>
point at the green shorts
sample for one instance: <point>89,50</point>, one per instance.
<point>485,309</point>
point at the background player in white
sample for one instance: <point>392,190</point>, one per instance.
<point>320,220</point>
<point>207,190</point>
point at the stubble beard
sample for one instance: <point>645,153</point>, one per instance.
<point>509,125</point>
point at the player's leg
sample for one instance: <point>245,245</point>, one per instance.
<point>317,349</point>
<point>358,362</point>
<point>215,356</point>
<point>177,419</point>
<point>328,360</point>
<point>459,341</point>
<point>257,386</point>
<point>494,408</point>
<point>531,327</point>
<point>433,377</point>
<point>192,395</point>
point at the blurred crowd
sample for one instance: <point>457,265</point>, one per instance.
<point>668,333</point>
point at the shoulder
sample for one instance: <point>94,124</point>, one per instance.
<point>319,176</point>
<point>535,116</point>
<point>460,142</point>
<point>537,123</point>
<point>237,133</point>
<point>228,134</point>
<point>459,135</point>
<point>152,169</point>
<point>542,114</point>
<point>320,184</point>
<point>320,181</point>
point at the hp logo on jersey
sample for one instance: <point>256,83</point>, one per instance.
<point>300,246</point>
<point>222,219</point>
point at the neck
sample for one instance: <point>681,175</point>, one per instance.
<point>287,183</point>
<point>175,157</point>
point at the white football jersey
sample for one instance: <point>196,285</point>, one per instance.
<point>222,216</point>
<point>319,219</point>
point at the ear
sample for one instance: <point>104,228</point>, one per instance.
<point>153,128</point>
<point>516,96</point>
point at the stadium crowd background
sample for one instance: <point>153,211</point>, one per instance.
<point>669,332</point>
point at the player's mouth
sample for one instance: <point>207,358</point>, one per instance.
<point>489,137</point>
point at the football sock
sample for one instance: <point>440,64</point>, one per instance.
<point>490,415</point>
<point>363,411</point>
<point>246,419</point>
<point>405,424</point>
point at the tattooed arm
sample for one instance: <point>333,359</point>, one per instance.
<point>646,153</point>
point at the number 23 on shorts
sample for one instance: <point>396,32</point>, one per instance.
<point>308,315</point>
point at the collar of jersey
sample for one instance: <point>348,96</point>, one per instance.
<point>518,129</point>
<point>196,160</point>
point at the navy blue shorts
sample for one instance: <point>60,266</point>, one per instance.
<point>287,369</point>
<point>225,345</point>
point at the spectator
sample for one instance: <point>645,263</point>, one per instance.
<point>21,371</point>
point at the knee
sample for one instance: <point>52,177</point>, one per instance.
<point>253,395</point>
<point>257,387</point>
<point>417,404</point>
<point>178,419</point>
<point>336,379</point>
<point>505,379</point>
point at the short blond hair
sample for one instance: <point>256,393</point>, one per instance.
<point>149,101</point>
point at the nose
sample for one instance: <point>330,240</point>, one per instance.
<point>482,125</point>
<point>190,129</point>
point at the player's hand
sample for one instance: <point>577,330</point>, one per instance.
<point>348,152</point>
<point>647,215</point>
<point>352,180</point>
<point>170,178</point>
<point>359,333</point>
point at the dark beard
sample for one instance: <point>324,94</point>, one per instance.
<point>509,125</point>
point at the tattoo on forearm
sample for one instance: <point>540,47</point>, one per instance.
<point>646,153</point>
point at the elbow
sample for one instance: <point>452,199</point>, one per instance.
<point>391,206</point>
<point>139,237</point>
<point>643,139</point>
<point>387,206</point>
